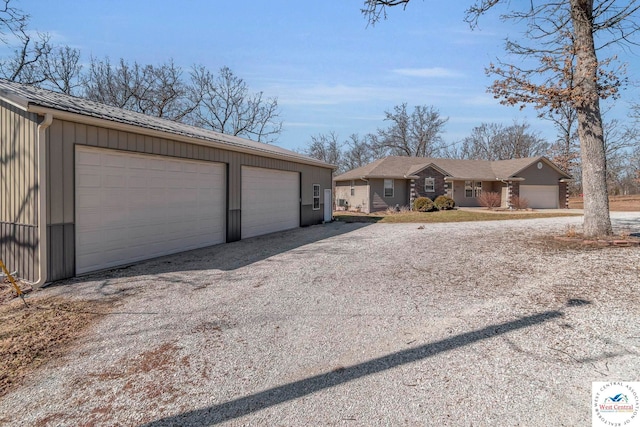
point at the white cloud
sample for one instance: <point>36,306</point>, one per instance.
<point>323,95</point>
<point>481,100</point>
<point>304,124</point>
<point>320,94</point>
<point>435,72</point>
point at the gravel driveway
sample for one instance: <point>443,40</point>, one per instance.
<point>483,324</point>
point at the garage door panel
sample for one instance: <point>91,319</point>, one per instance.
<point>270,201</point>
<point>151,207</point>
<point>540,196</point>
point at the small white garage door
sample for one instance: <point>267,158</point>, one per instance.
<point>540,196</point>
<point>270,201</point>
<point>131,207</point>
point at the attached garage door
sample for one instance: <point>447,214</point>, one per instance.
<point>540,196</point>
<point>131,207</point>
<point>270,201</point>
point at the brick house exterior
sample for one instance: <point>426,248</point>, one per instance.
<point>398,181</point>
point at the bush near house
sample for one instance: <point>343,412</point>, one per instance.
<point>489,199</point>
<point>423,204</point>
<point>444,203</point>
<point>519,202</point>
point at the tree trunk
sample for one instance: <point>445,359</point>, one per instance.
<point>597,221</point>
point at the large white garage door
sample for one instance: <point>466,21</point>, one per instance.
<point>270,201</point>
<point>131,207</point>
<point>540,196</point>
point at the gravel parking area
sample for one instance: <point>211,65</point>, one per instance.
<point>465,324</point>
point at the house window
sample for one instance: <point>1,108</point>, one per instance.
<point>316,197</point>
<point>429,185</point>
<point>353,190</point>
<point>388,188</point>
<point>477,187</point>
<point>472,188</point>
<point>468,189</point>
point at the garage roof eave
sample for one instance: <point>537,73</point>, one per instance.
<point>209,141</point>
<point>14,100</point>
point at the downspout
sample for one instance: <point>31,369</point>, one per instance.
<point>43,254</point>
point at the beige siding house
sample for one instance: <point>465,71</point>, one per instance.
<point>87,187</point>
<point>397,181</point>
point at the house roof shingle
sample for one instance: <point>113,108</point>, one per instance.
<point>405,167</point>
<point>26,97</point>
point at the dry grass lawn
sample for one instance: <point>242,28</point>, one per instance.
<point>33,335</point>
<point>616,203</point>
<point>444,216</point>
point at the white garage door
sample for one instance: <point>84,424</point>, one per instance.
<point>131,207</point>
<point>270,201</point>
<point>540,196</point>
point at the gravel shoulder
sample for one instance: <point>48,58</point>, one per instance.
<point>490,323</point>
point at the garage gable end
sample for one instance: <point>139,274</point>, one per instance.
<point>541,173</point>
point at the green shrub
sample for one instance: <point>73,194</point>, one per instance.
<point>423,204</point>
<point>444,203</point>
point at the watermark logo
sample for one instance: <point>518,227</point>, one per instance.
<point>616,404</point>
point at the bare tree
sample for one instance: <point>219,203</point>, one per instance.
<point>24,64</point>
<point>496,142</point>
<point>523,143</point>
<point>416,135</point>
<point>153,90</point>
<point>619,140</point>
<point>565,151</point>
<point>61,69</point>
<point>326,147</point>
<point>360,151</point>
<point>114,85</point>
<point>221,103</point>
<point>225,104</point>
<point>165,93</point>
<point>563,36</point>
<point>375,10</point>
<point>632,179</point>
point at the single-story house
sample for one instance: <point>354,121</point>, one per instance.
<point>398,181</point>
<point>87,187</point>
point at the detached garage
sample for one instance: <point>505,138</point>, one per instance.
<point>88,187</point>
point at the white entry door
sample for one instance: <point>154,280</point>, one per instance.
<point>270,201</point>
<point>131,207</point>
<point>328,205</point>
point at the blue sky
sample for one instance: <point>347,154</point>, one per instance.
<point>329,71</point>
